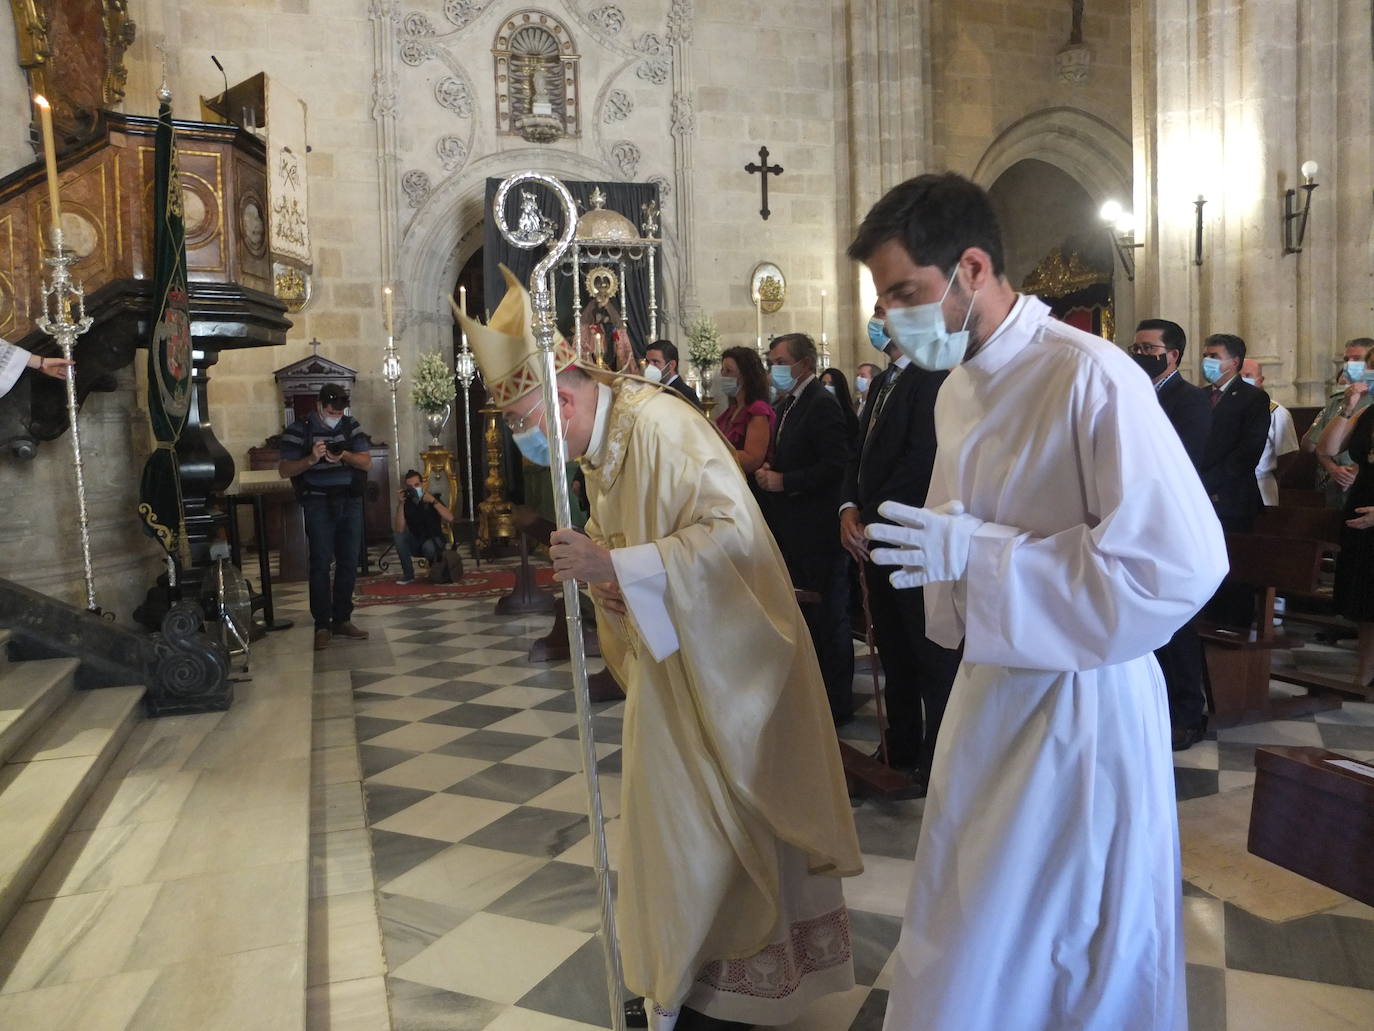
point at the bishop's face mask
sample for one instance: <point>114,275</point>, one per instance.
<point>534,445</point>
<point>921,334</point>
<point>877,334</point>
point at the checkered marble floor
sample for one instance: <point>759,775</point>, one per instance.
<point>483,858</point>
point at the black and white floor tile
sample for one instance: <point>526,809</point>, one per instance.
<point>483,858</point>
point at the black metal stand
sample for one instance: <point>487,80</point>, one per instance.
<point>263,599</point>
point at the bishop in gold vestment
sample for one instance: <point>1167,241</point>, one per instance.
<point>737,824</point>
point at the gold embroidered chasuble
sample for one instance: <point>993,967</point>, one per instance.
<point>729,747</point>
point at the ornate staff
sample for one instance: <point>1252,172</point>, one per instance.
<point>465,365</point>
<point>391,372</point>
<point>541,301</point>
<point>62,295</point>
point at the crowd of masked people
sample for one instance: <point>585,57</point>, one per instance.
<point>820,462</point>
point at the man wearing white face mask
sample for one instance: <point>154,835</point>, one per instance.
<point>660,366</point>
<point>327,455</point>
<point>1065,538</point>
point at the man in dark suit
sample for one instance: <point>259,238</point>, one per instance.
<point>1240,428</point>
<point>660,364</point>
<point>800,494</point>
<point>895,456</point>
<point>1158,349</point>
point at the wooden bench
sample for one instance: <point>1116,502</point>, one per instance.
<point>1239,660</point>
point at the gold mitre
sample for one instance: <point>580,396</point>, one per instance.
<point>505,347</point>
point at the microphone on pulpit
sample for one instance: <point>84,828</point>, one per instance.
<point>225,95</point>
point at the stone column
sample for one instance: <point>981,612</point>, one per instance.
<point>888,114</point>
<point>1228,104</point>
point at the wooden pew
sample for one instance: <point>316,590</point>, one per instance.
<point>1239,660</point>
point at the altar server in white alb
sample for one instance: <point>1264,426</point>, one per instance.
<point>14,360</point>
<point>1067,538</point>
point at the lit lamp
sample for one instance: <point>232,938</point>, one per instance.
<point>1290,244</point>
<point>1121,229</point>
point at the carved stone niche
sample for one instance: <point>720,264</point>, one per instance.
<point>536,68</point>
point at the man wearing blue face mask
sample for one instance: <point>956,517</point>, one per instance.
<point>864,376</point>
<point>1064,537</point>
<point>327,456</point>
<point>1235,443</point>
<point>1337,473</point>
<point>800,497</point>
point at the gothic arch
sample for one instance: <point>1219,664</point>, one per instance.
<point>1091,152</point>
<point>1082,145</point>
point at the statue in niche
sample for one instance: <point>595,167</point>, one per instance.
<point>600,319</point>
<point>536,78</point>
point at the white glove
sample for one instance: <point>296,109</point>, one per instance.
<point>933,543</point>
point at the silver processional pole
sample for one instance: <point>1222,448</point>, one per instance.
<point>466,367</point>
<point>64,318</point>
<point>391,372</point>
<point>542,302</point>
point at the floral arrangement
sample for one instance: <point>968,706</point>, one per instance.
<point>435,386</point>
<point>703,343</point>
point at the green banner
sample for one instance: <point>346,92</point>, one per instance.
<point>169,349</point>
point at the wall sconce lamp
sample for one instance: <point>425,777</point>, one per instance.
<point>1121,228</point>
<point>1290,245</point>
<point>1197,238</point>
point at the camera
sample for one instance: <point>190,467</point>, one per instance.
<point>334,447</point>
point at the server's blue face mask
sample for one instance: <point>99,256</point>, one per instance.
<point>921,334</point>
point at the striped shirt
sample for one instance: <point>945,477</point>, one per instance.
<point>299,438</point>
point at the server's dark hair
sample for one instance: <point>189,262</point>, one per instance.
<point>935,218</point>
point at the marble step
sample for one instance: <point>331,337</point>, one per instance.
<point>29,692</point>
<point>49,777</point>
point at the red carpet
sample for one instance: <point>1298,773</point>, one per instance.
<point>488,582</point>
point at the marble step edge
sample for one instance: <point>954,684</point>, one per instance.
<point>39,799</point>
<point>31,692</point>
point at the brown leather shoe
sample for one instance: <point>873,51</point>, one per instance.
<point>350,631</point>
<point>322,640</point>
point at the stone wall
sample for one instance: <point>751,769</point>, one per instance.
<point>993,63</point>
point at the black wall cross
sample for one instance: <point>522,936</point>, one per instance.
<point>764,169</point>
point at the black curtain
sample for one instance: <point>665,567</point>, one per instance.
<point>625,198</point>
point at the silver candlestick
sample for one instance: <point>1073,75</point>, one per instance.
<point>391,372</point>
<point>465,365</point>
<point>63,298</point>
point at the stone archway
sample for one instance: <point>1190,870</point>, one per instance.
<point>1087,149</point>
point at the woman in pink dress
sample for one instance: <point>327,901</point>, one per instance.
<point>747,422</point>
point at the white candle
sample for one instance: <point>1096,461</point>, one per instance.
<point>822,316</point>
<point>758,309</point>
<point>463,307</point>
<point>386,300</point>
<point>50,158</point>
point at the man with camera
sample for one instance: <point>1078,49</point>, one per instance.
<point>327,456</point>
<point>418,525</point>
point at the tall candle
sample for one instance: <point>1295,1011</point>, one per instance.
<point>463,307</point>
<point>50,158</point>
<point>386,297</point>
<point>822,316</point>
<point>758,309</point>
